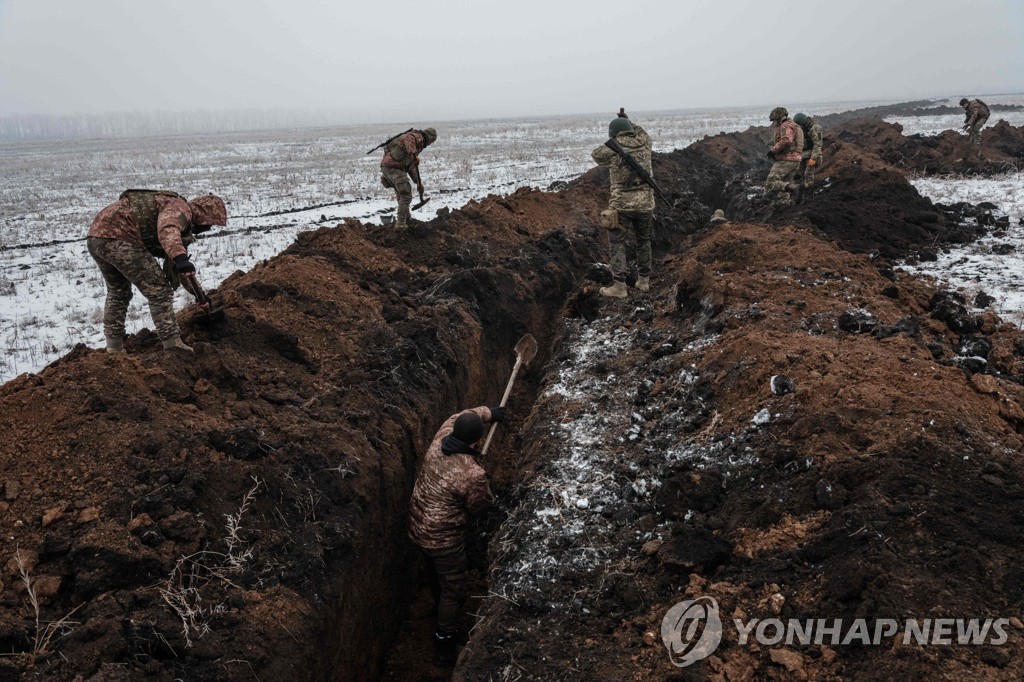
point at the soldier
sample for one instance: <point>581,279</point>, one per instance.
<point>402,161</point>
<point>977,114</point>
<point>631,205</point>
<point>126,236</point>
<point>811,158</point>
<point>451,485</point>
<point>786,153</point>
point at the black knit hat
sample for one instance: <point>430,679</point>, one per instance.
<point>469,428</point>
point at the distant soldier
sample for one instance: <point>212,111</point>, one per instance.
<point>402,161</point>
<point>811,158</point>
<point>631,206</point>
<point>977,114</point>
<point>786,153</point>
<point>450,486</point>
<point>126,236</point>
<point>717,218</point>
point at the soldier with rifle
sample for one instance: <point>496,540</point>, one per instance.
<point>627,155</point>
<point>402,161</point>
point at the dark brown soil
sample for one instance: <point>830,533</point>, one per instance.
<point>303,414</point>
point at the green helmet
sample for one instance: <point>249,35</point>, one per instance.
<point>801,119</point>
<point>619,124</point>
<point>778,113</point>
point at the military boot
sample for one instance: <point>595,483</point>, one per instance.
<point>115,345</point>
<point>616,290</point>
<point>175,343</point>
<point>446,650</point>
<point>643,283</point>
<point>795,189</point>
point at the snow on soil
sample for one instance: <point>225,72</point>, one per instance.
<point>613,456</point>
<point>276,184</point>
<point>933,125</point>
<point>993,264</point>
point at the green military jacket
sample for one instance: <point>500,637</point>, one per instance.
<point>629,192</point>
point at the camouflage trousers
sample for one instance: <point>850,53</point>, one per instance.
<point>399,180</point>
<point>782,174</point>
<point>123,264</point>
<point>974,134</point>
<point>807,173</point>
<point>641,223</point>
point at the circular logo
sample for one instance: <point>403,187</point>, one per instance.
<point>691,631</point>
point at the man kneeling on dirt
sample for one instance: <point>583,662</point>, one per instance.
<point>631,206</point>
<point>126,236</point>
<point>786,153</point>
<point>977,114</point>
<point>402,161</point>
<point>450,486</point>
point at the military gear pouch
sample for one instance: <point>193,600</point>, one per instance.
<point>387,183</point>
<point>609,219</point>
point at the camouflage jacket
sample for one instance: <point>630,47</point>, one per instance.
<point>976,111</point>
<point>404,152</point>
<point>447,490</point>
<point>118,221</point>
<point>789,141</point>
<point>629,193</point>
<point>812,139</point>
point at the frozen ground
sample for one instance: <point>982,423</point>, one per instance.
<point>994,264</point>
<point>276,184</point>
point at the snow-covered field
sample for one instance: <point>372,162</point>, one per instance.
<point>933,125</point>
<point>276,184</point>
<point>984,265</point>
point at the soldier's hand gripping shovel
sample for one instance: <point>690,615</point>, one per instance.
<point>526,350</point>
<point>210,313</point>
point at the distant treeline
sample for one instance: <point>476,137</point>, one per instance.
<point>22,127</point>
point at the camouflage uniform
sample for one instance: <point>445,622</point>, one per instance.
<point>632,198</point>
<point>123,247</point>
<point>401,160</point>
<point>812,150</point>
<point>977,114</point>
<point>449,488</point>
<point>788,150</point>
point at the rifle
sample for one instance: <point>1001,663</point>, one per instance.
<point>635,166</point>
<point>389,140</point>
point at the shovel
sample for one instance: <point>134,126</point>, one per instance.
<point>526,350</point>
<point>423,202</point>
<point>210,314</point>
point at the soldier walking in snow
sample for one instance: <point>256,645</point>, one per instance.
<point>977,114</point>
<point>402,161</point>
<point>811,158</point>
<point>631,206</point>
<point>126,236</point>
<point>786,153</point>
<point>451,485</point>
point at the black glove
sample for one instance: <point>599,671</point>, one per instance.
<point>497,414</point>
<point>771,155</point>
<point>183,265</point>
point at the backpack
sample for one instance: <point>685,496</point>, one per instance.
<point>146,210</point>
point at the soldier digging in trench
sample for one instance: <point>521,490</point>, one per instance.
<point>787,153</point>
<point>811,158</point>
<point>124,239</point>
<point>450,486</point>
<point>402,161</point>
<point>631,206</point>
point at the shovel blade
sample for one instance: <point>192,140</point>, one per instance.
<point>420,205</point>
<point>526,349</point>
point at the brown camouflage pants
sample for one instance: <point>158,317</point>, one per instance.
<point>618,240</point>
<point>399,179</point>
<point>450,567</point>
<point>974,134</point>
<point>123,264</point>
<point>781,174</point>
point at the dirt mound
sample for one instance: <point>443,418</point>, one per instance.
<point>779,427</point>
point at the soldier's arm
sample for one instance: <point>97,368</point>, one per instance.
<point>785,142</point>
<point>816,142</point>
<point>172,220</point>
<point>478,497</point>
<point>603,156</point>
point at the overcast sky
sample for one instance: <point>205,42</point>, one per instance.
<point>447,59</point>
